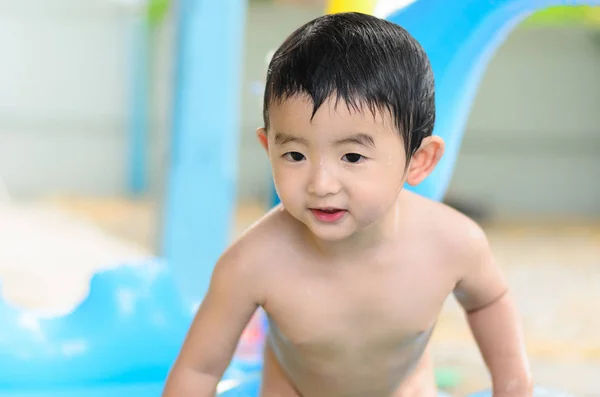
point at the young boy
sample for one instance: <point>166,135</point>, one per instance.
<point>351,269</point>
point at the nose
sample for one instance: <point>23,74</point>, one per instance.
<point>323,182</point>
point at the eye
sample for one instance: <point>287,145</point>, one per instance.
<point>294,156</point>
<point>353,158</point>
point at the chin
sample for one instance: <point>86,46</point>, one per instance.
<point>330,233</point>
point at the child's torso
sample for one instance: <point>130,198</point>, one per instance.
<point>357,330</point>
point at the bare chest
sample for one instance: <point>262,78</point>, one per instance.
<point>350,314</point>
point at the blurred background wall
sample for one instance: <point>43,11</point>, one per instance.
<point>531,149</point>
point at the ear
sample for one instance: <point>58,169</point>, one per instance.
<point>261,134</point>
<point>425,159</point>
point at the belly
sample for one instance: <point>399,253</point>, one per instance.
<point>348,368</point>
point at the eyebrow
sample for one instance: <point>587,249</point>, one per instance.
<point>359,139</point>
<point>282,138</point>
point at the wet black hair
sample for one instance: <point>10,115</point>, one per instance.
<point>363,61</point>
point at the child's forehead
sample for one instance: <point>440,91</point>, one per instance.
<point>301,110</point>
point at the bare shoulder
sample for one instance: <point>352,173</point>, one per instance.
<point>458,238</point>
<point>447,222</point>
<point>463,246</point>
<point>268,234</point>
<point>249,259</point>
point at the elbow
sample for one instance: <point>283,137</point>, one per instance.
<point>186,381</point>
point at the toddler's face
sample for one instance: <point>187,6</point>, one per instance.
<point>338,173</point>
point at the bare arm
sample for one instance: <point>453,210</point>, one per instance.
<point>493,319</point>
<point>231,300</point>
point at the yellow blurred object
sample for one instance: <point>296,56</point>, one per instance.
<point>364,6</point>
<point>593,16</point>
<point>565,16</point>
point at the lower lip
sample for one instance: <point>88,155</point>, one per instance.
<point>328,217</point>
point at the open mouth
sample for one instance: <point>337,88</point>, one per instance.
<point>328,214</point>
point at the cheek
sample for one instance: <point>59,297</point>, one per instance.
<point>379,186</point>
<point>287,181</point>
